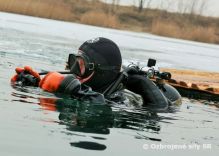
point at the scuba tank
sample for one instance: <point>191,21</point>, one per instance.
<point>171,94</point>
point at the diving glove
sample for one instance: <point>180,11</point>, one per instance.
<point>26,76</point>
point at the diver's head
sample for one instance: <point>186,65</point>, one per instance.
<point>97,63</point>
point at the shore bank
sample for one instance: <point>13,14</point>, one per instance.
<point>183,26</point>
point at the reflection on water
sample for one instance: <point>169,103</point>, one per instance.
<point>88,145</point>
<point>92,118</point>
<point>98,120</point>
<point>82,117</point>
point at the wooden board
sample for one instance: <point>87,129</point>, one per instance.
<point>199,82</point>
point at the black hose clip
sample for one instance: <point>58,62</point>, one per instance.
<point>164,75</point>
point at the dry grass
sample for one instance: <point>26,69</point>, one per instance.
<point>185,26</point>
<point>41,8</point>
<point>100,19</point>
<point>164,28</point>
<point>188,32</point>
<point>201,34</point>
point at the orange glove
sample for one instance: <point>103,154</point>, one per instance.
<point>51,81</point>
<point>27,76</point>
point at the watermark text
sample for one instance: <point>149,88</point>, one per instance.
<point>173,147</point>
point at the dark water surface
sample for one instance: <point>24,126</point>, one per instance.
<point>34,122</point>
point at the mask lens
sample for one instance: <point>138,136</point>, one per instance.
<point>71,60</point>
<point>79,65</point>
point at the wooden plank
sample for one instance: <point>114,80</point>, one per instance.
<point>197,82</point>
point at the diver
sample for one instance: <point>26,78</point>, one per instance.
<point>96,75</point>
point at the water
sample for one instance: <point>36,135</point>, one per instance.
<point>34,122</point>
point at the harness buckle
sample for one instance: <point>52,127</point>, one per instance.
<point>91,66</point>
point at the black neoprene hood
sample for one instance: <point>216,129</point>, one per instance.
<point>105,54</point>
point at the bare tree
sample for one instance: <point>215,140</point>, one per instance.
<point>203,5</point>
<point>140,5</point>
<point>165,5</point>
<point>115,4</point>
<point>148,4</point>
<point>194,7</point>
<point>181,7</point>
